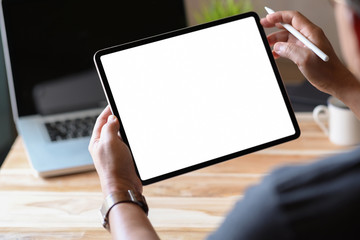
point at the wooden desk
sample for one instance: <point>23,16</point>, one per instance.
<point>185,207</point>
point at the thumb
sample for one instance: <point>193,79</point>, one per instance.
<point>292,51</point>
<point>110,129</point>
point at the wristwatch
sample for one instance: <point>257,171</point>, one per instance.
<point>115,198</point>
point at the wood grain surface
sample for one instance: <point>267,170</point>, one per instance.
<point>185,207</point>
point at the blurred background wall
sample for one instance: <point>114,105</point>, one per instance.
<point>318,11</point>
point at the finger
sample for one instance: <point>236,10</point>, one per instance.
<point>100,122</point>
<point>280,36</point>
<point>299,55</point>
<point>266,24</point>
<point>294,18</point>
<point>110,130</point>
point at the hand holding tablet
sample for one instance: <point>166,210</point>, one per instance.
<point>197,96</point>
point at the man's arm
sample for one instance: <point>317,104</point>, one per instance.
<point>349,93</point>
<point>115,167</point>
<point>128,221</point>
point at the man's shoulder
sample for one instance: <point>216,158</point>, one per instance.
<point>327,169</point>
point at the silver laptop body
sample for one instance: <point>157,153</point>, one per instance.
<point>54,88</point>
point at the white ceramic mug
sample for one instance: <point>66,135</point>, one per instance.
<point>343,126</point>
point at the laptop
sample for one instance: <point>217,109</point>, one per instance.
<point>54,88</point>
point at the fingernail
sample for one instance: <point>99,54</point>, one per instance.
<point>111,118</point>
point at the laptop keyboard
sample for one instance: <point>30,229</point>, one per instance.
<point>70,128</point>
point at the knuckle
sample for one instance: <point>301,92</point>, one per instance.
<point>300,15</point>
<point>295,13</point>
<point>317,31</point>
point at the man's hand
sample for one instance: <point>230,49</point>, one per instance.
<point>331,77</point>
<point>112,157</point>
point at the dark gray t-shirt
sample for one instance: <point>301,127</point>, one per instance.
<point>313,201</point>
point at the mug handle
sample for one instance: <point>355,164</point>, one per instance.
<point>321,109</point>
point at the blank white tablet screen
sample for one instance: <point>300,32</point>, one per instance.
<point>197,97</point>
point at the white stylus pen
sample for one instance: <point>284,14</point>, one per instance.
<point>301,38</point>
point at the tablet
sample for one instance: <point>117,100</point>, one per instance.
<point>196,96</point>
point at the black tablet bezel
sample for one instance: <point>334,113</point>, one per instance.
<point>156,38</point>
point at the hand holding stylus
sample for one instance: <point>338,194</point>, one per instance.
<point>332,76</point>
<point>302,39</point>
<point>325,75</point>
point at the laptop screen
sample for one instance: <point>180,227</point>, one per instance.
<point>51,44</point>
